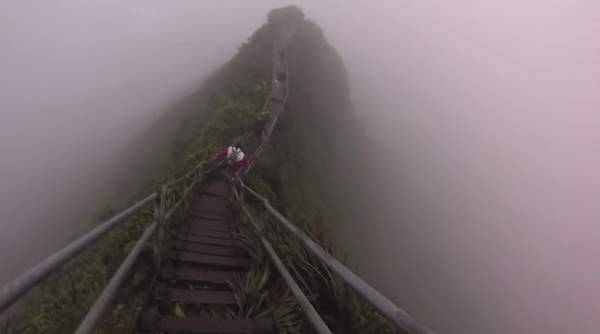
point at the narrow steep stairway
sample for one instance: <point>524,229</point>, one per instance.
<point>205,260</point>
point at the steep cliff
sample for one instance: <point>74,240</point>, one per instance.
<point>312,170</point>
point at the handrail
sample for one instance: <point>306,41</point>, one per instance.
<point>275,118</point>
<point>178,180</point>
<point>400,317</point>
<point>186,175</point>
<point>109,291</point>
<point>310,312</point>
<point>93,315</point>
<point>186,192</point>
<point>14,290</point>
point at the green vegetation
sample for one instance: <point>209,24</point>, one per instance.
<point>66,296</point>
<point>312,173</point>
<point>341,308</point>
<point>300,173</point>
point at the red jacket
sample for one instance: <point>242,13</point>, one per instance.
<point>245,162</point>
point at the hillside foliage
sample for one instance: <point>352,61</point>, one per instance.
<point>307,171</point>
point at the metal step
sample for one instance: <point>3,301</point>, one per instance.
<point>172,324</point>
<point>214,194</point>
<point>213,260</point>
<point>209,241</point>
<point>219,226</point>
<point>208,249</point>
<point>200,275</point>
<point>210,203</point>
<point>203,216</point>
<point>201,232</point>
<point>188,296</point>
<point>217,188</point>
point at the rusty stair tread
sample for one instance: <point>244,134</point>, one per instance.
<point>211,217</point>
<point>222,226</point>
<point>208,233</point>
<point>200,275</point>
<point>188,296</point>
<point>211,213</point>
<point>212,260</point>
<point>158,323</point>
<point>223,189</point>
<point>199,215</point>
<point>208,249</point>
<point>215,194</point>
<point>193,236</point>
<point>209,241</point>
<point>210,203</point>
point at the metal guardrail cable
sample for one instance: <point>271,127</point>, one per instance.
<point>187,175</point>
<point>12,291</point>
<point>94,314</point>
<point>181,200</point>
<point>268,128</point>
<point>255,156</point>
<point>177,181</point>
<point>400,317</point>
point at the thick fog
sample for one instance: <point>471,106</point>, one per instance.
<point>78,79</point>
<point>489,109</point>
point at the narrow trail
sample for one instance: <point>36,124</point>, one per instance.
<point>201,269</point>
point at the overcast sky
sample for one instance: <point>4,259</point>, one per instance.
<point>490,106</point>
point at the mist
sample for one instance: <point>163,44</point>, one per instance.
<point>490,113</point>
<point>81,79</point>
<point>487,109</point>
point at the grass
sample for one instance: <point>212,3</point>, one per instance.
<point>59,303</point>
<point>340,306</point>
<point>67,295</point>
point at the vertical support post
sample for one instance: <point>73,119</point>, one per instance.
<point>160,221</point>
<point>239,191</point>
<point>186,191</point>
<point>156,246</point>
<point>196,177</point>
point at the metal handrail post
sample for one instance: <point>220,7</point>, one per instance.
<point>161,214</point>
<point>157,245</point>
<point>171,211</point>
